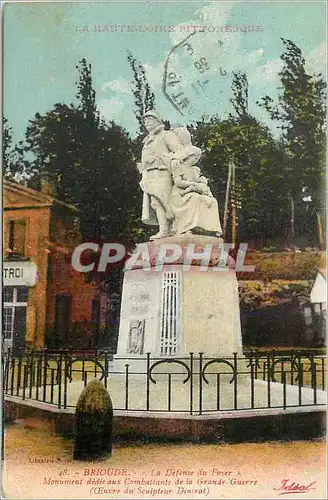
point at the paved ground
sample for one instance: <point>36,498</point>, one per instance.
<point>38,465</point>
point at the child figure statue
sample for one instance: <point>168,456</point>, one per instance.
<point>187,175</point>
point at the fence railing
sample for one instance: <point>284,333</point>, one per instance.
<point>194,384</point>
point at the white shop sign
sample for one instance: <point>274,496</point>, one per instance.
<point>19,274</point>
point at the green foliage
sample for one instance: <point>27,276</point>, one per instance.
<point>93,163</point>
<point>271,173</point>
<point>301,110</point>
<point>297,289</point>
<point>288,265</point>
<point>144,98</point>
<point>259,166</point>
<point>13,162</point>
<point>257,294</point>
<point>6,141</point>
<point>90,162</point>
<point>86,94</point>
<point>239,100</point>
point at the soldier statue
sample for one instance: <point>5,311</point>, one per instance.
<point>176,196</point>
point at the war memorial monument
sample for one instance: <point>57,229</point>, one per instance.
<point>183,306</point>
<point>180,343</point>
<point>180,370</point>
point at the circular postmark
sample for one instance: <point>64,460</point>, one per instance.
<point>193,73</point>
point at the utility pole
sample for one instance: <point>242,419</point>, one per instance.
<point>292,221</point>
<point>226,203</point>
<point>233,205</point>
<point>320,231</point>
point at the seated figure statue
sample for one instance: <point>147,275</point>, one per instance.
<point>187,175</point>
<point>193,206</point>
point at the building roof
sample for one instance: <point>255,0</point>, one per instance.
<point>31,197</point>
<point>323,272</point>
<point>318,292</point>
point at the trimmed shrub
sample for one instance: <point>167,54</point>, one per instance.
<point>93,423</point>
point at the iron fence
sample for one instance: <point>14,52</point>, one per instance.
<point>193,384</point>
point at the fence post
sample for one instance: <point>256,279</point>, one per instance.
<point>268,381</point>
<point>257,362</point>
<point>169,392</point>
<point>218,391</point>
<point>235,386</point>
<point>126,386</point>
<point>66,374</point>
<point>45,374</point>
<point>148,388</point>
<point>292,367</point>
<point>300,382</point>
<point>200,383</point>
<point>283,376</point>
<point>19,372</point>
<point>106,368</point>
<point>52,383</point>
<point>252,384</point>
<point>59,377</point>
<point>38,373</point>
<point>273,365</point>
<point>191,382</point>
<point>314,382</point>
<point>12,382</point>
<point>31,369</point>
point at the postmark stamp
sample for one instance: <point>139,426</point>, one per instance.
<point>189,71</point>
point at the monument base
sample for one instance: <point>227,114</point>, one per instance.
<point>172,310</point>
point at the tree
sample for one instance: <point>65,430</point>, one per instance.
<point>90,162</point>
<point>259,179</point>
<point>86,94</point>
<point>301,109</point>
<point>6,143</point>
<point>92,166</point>
<point>144,98</point>
<point>239,100</point>
<point>14,164</point>
<point>259,188</point>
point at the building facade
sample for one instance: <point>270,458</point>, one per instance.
<point>45,301</point>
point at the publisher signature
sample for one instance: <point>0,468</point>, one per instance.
<point>288,486</point>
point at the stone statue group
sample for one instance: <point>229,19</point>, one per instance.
<point>176,196</point>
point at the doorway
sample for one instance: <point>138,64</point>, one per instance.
<point>63,318</point>
<point>14,317</point>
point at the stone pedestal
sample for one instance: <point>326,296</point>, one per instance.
<point>170,311</point>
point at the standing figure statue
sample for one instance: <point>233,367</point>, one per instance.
<point>155,168</point>
<point>176,196</point>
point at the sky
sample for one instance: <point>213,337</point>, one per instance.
<point>43,43</point>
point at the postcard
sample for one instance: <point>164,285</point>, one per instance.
<point>164,273</point>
